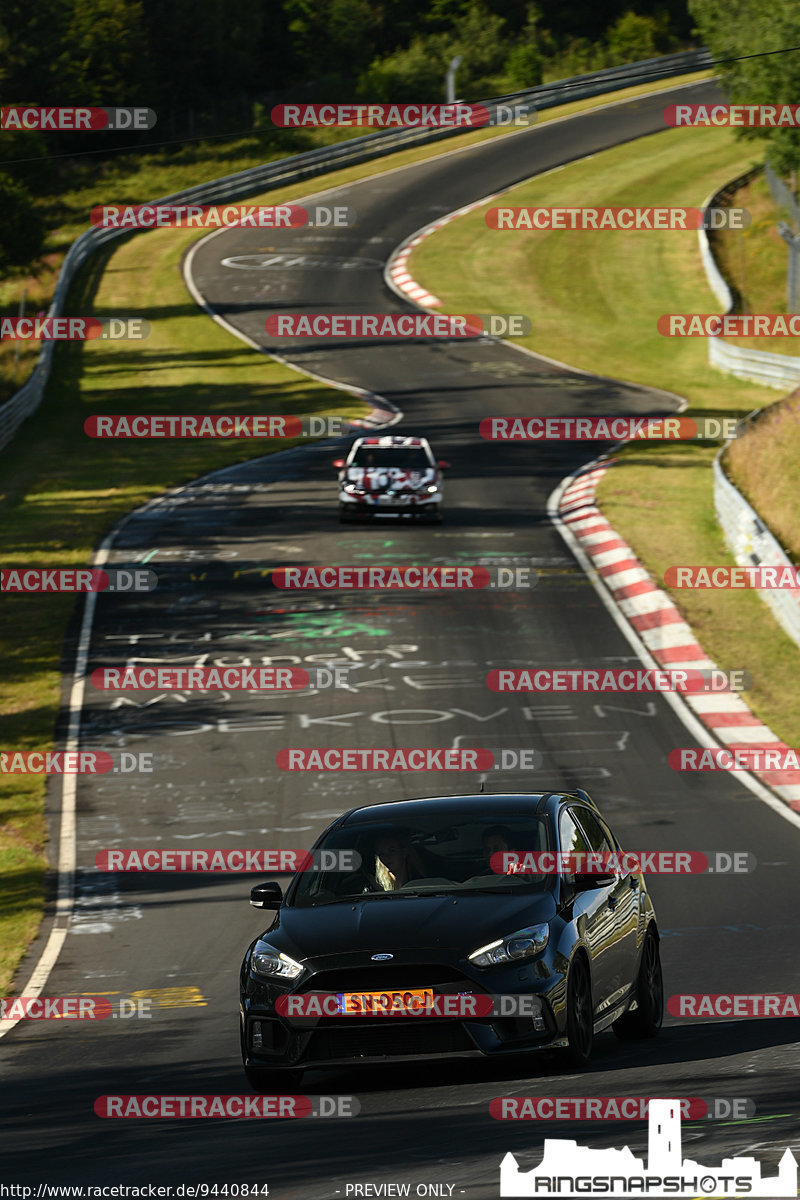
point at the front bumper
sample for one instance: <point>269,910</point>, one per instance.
<point>378,503</point>
<point>273,1041</point>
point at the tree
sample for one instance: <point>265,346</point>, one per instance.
<point>736,29</point>
<point>22,230</point>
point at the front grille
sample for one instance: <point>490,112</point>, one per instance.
<point>365,1041</point>
<point>391,977</point>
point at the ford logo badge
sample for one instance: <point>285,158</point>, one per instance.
<point>381,957</point>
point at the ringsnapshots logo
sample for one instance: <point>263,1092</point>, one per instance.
<point>401,116</point>
<point>616,217</point>
<point>221,216</point>
<point>74,119</point>
<point>568,1169</point>
<point>397,326</point>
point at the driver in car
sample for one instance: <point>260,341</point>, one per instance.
<point>396,862</point>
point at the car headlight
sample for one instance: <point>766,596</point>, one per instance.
<point>270,963</point>
<point>521,944</point>
<point>433,487</point>
<point>353,489</point>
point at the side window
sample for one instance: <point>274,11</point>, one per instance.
<point>598,838</point>
<point>570,836</point>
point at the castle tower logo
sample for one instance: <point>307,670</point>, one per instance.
<point>568,1169</point>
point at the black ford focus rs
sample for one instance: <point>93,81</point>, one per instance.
<point>439,944</point>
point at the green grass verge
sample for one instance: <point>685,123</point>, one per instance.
<point>137,177</point>
<point>594,299</point>
<point>59,491</point>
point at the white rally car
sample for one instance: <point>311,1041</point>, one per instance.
<point>390,477</point>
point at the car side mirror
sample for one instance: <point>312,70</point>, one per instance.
<point>443,465</point>
<point>338,463</point>
<point>266,895</point>
<point>585,883</point>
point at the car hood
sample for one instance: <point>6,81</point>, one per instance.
<point>394,479</point>
<point>460,923</point>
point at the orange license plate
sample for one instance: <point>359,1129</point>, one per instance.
<point>367,1004</point>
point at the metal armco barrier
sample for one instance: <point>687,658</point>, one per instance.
<point>752,544</point>
<point>761,366</point>
<point>316,162</point>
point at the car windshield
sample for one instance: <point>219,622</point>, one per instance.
<point>432,857</point>
<point>406,458</point>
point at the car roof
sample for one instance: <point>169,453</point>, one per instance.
<point>391,441</point>
<point>485,806</point>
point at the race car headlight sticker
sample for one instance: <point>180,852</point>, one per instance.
<point>270,963</point>
<point>521,944</point>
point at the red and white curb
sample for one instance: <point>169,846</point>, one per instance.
<point>396,273</point>
<point>660,626</point>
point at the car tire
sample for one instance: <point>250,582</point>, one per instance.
<point>434,517</point>
<point>645,1020</point>
<point>344,515</point>
<point>580,1013</point>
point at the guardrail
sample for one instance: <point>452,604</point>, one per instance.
<point>760,366</point>
<point>316,162</point>
<point>752,544</point>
